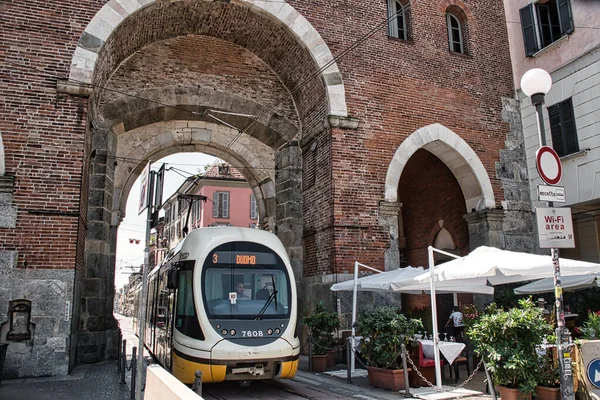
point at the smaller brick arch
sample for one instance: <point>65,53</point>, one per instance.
<point>461,160</point>
<point>2,162</point>
<point>450,5</point>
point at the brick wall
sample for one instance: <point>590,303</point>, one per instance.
<point>396,87</point>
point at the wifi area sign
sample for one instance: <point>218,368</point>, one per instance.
<point>555,228</point>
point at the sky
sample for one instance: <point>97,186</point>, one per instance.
<point>134,225</point>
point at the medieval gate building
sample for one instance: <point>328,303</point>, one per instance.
<point>367,131</point>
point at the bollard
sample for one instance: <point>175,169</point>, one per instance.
<point>198,383</point>
<point>133,371</point>
<point>119,352</point>
<point>309,353</point>
<point>348,358</point>
<point>124,361</point>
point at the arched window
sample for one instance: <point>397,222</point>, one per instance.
<point>455,34</point>
<point>398,19</point>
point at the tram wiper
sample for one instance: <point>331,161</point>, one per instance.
<point>267,304</point>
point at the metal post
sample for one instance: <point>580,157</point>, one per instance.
<point>198,383</point>
<point>309,352</point>
<point>134,358</point>
<point>491,387</point>
<point>349,354</point>
<point>119,352</point>
<point>405,368</point>
<point>124,360</point>
<point>436,353</point>
<point>144,293</point>
<point>354,296</point>
<point>567,388</point>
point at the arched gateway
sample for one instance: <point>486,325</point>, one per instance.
<point>235,81</point>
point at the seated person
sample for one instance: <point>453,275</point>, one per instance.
<point>240,291</point>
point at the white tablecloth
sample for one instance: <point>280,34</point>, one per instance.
<point>450,350</point>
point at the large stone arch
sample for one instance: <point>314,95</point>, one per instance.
<point>136,116</point>
<point>455,153</point>
<point>84,65</point>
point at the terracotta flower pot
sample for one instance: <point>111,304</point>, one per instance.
<point>547,393</point>
<point>331,358</point>
<point>512,394</point>
<point>391,379</point>
<point>319,363</point>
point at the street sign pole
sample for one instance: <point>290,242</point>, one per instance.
<point>562,335</point>
<point>144,292</point>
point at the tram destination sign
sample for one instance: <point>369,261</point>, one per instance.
<point>551,193</point>
<point>555,228</point>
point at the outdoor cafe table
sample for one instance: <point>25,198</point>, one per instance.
<point>450,350</point>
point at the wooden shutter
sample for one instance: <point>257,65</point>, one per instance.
<point>527,24</point>
<point>225,204</point>
<point>392,22</point>
<point>252,207</point>
<point>565,16</point>
<point>555,129</point>
<point>568,127</point>
<point>216,205</point>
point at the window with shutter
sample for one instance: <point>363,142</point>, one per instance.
<point>562,128</point>
<point>545,22</point>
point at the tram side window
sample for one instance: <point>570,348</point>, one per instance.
<point>187,319</point>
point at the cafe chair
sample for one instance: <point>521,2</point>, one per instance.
<point>427,366</point>
<point>462,359</point>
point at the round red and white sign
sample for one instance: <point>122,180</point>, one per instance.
<point>548,165</point>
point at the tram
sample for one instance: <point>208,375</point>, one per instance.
<point>224,302</point>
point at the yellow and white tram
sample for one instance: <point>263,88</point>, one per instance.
<point>224,302</point>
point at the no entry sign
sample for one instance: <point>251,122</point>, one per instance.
<point>548,165</point>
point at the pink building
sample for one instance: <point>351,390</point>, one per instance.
<point>229,202</point>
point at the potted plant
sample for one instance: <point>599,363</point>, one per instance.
<point>548,382</point>
<point>384,330</point>
<point>321,324</point>
<point>507,341</point>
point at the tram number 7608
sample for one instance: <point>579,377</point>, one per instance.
<point>252,333</point>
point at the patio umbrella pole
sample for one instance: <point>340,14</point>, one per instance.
<point>436,353</point>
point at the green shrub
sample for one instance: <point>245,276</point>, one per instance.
<point>384,331</point>
<point>507,342</point>
<point>322,325</point>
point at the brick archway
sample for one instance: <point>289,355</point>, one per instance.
<point>455,153</point>
<point>90,63</point>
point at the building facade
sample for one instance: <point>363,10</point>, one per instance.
<point>229,202</point>
<point>562,38</point>
<point>366,131</point>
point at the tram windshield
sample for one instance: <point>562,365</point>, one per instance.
<point>247,281</point>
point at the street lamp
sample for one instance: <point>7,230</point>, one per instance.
<point>536,83</point>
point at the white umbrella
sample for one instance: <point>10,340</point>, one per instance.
<point>380,281</point>
<point>503,266</point>
<point>495,267</point>
<point>568,283</point>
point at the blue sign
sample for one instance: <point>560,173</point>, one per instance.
<point>593,372</point>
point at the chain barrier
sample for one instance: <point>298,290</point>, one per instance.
<point>462,385</point>
<point>414,367</point>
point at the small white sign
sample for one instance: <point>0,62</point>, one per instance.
<point>551,193</point>
<point>144,198</point>
<point>555,228</point>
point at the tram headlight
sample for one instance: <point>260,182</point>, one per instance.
<point>218,326</point>
<point>277,331</point>
<point>269,331</point>
<point>282,325</point>
<point>224,332</point>
<point>232,332</point>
